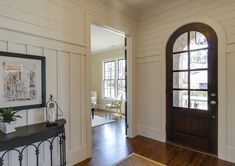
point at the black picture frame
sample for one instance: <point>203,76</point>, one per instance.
<point>39,72</point>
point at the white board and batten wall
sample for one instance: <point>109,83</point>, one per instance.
<point>58,80</point>
<point>56,29</point>
<point>155,27</point>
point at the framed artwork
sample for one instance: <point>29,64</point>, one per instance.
<point>22,81</point>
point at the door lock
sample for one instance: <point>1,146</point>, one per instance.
<point>213,94</point>
<point>213,102</point>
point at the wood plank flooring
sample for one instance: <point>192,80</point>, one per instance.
<point>110,146</point>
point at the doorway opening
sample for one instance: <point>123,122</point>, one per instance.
<point>108,80</point>
<point>192,87</point>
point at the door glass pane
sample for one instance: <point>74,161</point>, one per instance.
<point>198,59</point>
<point>180,61</point>
<point>180,80</point>
<point>198,100</point>
<point>180,98</point>
<point>181,43</point>
<point>197,40</point>
<point>198,79</point>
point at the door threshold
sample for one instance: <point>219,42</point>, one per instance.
<point>181,146</point>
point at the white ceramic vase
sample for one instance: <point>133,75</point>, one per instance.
<point>8,127</point>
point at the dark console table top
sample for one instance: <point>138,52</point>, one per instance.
<point>27,135</point>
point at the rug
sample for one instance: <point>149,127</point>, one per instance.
<point>97,121</point>
<point>137,160</point>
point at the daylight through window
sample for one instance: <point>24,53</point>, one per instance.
<point>114,78</point>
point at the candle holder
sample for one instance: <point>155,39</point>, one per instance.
<point>52,112</point>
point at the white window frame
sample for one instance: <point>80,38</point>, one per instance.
<point>116,77</point>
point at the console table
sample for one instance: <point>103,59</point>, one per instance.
<point>34,135</point>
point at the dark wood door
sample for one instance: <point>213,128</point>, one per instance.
<point>191,65</point>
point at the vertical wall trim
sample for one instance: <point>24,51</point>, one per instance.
<point>57,74</point>
<point>44,117</point>
<point>27,117</point>
<point>81,95</point>
<point>7,46</point>
<point>70,114</point>
<point>8,155</point>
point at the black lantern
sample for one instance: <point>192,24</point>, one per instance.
<point>52,109</point>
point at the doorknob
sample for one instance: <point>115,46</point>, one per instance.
<point>213,102</point>
<point>213,94</point>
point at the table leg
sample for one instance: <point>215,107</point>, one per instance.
<point>93,112</point>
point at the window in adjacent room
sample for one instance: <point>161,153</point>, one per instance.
<point>114,78</point>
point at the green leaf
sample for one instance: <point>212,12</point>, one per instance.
<point>8,115</point>
<point>18,116</point>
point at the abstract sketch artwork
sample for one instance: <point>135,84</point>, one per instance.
<point>19,85</point>
<point>20,81</point>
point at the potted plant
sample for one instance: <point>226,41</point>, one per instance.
<point>8,118</point>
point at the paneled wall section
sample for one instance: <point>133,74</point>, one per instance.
<point>148,119</point>
<point>65,73</point>
<point>154,26</point>
<point>57,29</point>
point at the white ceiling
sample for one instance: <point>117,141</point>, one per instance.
<point>138,5</point>
<point>103,39</point>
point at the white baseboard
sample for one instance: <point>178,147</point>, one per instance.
<point>77,155</point>
<point>149,132</point>
<point>230,154</point>
<point>68,159</point>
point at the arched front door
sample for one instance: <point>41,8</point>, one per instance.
<point>192,113</point>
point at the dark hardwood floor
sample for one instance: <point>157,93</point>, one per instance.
<point>110,145</point>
